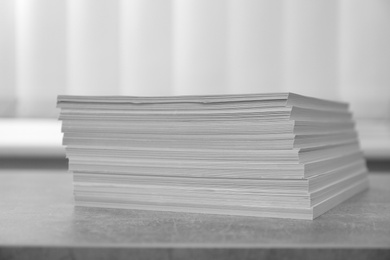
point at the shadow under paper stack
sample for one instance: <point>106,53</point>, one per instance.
<point>269,155</point>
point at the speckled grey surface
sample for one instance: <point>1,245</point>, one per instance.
<point>37,212</point>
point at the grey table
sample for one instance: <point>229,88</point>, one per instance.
<point>38,221</point>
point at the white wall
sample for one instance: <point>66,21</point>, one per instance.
<point>255,37</point>
<point>7,58</point>
<point>146,47</point>
<point>200,47</point>
<point>40,56</point>
<point>310,48</point>
<point>325,48</point>
<point>93,43</point>
<point>365,56</point>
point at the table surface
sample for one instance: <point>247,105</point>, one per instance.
<point>36,210</point>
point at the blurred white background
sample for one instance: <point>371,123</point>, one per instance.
<point>326,48</point>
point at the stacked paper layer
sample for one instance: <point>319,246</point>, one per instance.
<point>270,155</point>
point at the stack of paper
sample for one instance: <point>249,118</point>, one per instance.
<point>270,155</point>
